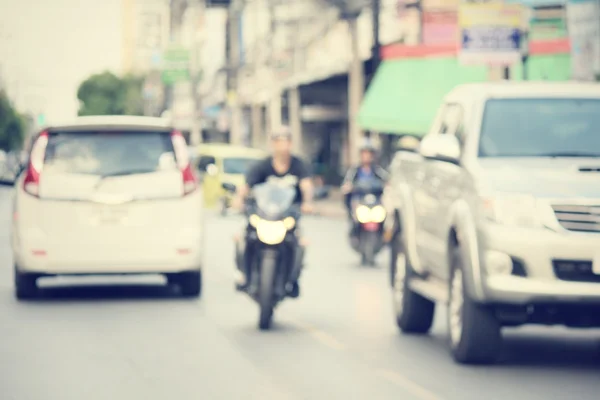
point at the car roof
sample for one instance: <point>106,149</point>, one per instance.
<point>112,122</point>
<point>227,150</point>
<point>528,89</point>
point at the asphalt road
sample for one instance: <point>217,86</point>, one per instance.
<point>338,341</point>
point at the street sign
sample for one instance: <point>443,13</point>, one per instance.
<point>584,32</point>
<point>41,119</point>
<point>490,33</point>
<point>498,38</point>
<point>175,65</point>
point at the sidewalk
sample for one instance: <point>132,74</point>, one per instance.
<point>332,206</point>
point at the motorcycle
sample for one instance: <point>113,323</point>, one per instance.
<point>369,216</point>
<point>275,254</point>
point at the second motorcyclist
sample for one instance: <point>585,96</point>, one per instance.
<point>367,169</point>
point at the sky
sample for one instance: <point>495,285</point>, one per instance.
<point>47,47</point>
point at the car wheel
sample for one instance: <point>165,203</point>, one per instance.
<point>475,333</point>
<point>189,282</point>
<point>414,313</point>
<point>25,285</point>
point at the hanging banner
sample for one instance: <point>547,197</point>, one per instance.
<point>490,33</point>
<point>584,31</point>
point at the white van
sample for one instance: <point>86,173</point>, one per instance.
<point>108,195</point>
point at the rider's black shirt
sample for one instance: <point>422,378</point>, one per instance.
<point>264,171</point>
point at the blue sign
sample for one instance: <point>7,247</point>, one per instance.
<point>538,3</point>
<point>482,38</point>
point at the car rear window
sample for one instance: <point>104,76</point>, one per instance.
<point>110,153</point>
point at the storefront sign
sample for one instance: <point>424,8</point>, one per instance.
<point>429,5</point>
<point>440,27</point>
<point>584,29</point>
<point>490,33</point>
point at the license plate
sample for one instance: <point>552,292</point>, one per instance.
<point>596,264</point>
<point>109,215</point>
<point>371,226</point>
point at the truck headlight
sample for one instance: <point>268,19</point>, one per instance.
<point>271,232</point>
<point>365,214</point>
<point>519,210</point>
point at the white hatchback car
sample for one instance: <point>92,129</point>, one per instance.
<point>108,195</point>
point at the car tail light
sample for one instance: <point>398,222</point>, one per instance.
<point>183,162</point>
<point>31,183</point>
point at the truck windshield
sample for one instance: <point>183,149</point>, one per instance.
<point>541,127</point>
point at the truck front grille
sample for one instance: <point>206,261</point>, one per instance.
<point>578,218</point>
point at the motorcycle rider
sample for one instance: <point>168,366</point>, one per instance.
<point>284,168</point>
<point>367,169</point>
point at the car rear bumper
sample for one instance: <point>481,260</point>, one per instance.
<point>65,269</point>
<point>178,251</point>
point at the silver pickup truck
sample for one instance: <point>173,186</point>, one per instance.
<point>497,215</point>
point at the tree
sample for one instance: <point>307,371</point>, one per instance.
<point>108,94</point>
<point>12,125</point>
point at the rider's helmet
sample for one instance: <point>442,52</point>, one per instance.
<point>281,132</point>
<point>368,146</point>
<point>408,143</point>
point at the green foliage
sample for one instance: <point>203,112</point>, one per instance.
<point>108,94</point>
<point>12,125</point>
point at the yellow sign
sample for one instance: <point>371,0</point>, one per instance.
<point>440,5</point>
<point>491,14</point>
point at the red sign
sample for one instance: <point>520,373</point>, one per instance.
<point>440,27</point>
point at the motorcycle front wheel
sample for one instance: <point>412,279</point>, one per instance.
<point>266,291</point>
<point>369,247</point>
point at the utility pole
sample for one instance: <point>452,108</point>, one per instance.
<point>356,85</point>
<point>196,129</point>
<point>350,10</point>
<point>275,103</point>
<point>235,126</point>
<point>376,8</point>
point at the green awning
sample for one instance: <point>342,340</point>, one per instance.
<point>405,94</point>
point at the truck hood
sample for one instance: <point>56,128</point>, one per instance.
<point>542,177</point>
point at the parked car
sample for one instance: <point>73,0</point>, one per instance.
<point>108,195</point>
<point>499,215</point>
<point>223,163</point>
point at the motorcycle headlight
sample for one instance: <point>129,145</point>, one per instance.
<point>378,214</point>
<point>254,220</point>
<point>271,232</point>
<point>519,210</point>
<point>365,214</point>
<point>289,223</point>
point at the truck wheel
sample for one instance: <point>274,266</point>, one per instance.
<point>25,285</point>
<point>475,336</point>
<point>414,313</point>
